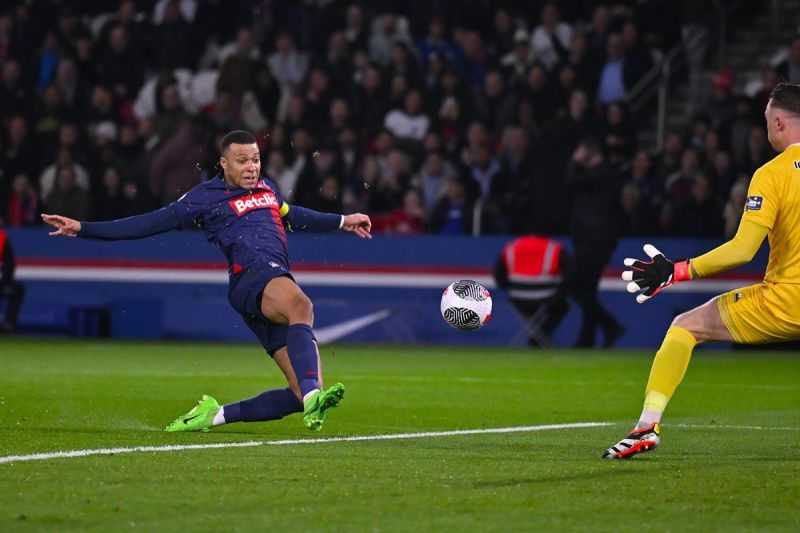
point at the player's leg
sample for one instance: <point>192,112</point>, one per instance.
<point>701,324</point>
<point>283,302</point>
<point>272,404</point>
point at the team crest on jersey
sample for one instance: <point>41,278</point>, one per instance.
<point>245,204</point>
<point>753,203</point>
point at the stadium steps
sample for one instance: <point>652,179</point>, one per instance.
<point>748,50</point>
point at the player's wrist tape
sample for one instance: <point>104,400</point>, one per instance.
<point>681,271</point>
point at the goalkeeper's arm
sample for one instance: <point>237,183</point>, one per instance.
<point>736,252</point>
<point>648,278</point>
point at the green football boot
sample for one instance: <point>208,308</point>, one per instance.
<point>316,406</point>
<point>200,418</point>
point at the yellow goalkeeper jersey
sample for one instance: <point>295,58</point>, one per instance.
<point>773,201</point>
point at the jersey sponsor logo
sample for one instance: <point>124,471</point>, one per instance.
<point>797,164</point>
<point>753,203</point>
<point>245,204</point>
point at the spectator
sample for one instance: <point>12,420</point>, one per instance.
<point>387,194</point>
<point>174,166</point>
<point>597,35</point>
<point>406,220</point>
<point>121,66</point>
<point>67,197</point>
<point>287,64</point>
<point>638,60</point>
<point>618,134</point>
<point>370,101</point>
<point>503,34</point>
<point>758,150</point>
<point>637,213</point>
<point>23,203</point>
<point>13,96</point>
<point>111,202</point>
<point>594,230</point>
<point>732,212</point>
<point>19,153</point>
<point>516,188</point>
<point>436,42</point>
<point>432,178</point>
<point>355,32</point>
<point>519,60</point>
<point>538,94</point>
<point>453,213</point>
<point>387,30</point>
<point>283,175</point>
<point>409,122</point>
<point>551,38</point>
<point>612,87</point>
<point>700,214</point>
<point>494,106</point>
<point>318,98</point>
<point>678,185</point>
<point>404,63</point>
<point>789,69</point>
<point>722,104</point>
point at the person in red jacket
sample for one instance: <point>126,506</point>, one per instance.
<point>531,270</point>
<point>10,290</point>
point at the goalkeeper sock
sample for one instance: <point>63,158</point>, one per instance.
<point>270,405</point>
<point>304,356</point>
<point>669,367</point>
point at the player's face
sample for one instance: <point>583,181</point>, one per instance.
<point>242,165</point>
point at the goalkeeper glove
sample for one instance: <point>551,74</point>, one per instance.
<point>648,278</point>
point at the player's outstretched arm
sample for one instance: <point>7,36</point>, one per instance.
<point>359,224</point>
<point>649,277</point>
<point>305,219</point>
<point>135,227</point>
<point>66,227</point>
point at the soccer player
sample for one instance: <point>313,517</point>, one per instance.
<point>245,216</point>
<point>767,312</point>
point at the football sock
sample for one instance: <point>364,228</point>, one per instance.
<point>669,367</point>
<point>219,418</point>
<point>303,356</point>
<point>270,405</point>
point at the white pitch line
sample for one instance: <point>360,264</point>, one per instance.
<point>725,426</point>
<point>68,454</point>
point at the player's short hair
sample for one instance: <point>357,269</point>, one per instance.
<point>236,137</point>
<point>786,96</point>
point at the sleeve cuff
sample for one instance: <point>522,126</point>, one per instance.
<point>341,221</point>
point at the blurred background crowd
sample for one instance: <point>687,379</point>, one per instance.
<point>446,117</point>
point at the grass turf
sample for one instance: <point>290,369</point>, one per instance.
<point>66,395</point>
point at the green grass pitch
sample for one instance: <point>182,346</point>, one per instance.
<point>729,461</point>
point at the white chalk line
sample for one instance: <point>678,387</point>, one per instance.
<point>729,426</point>
<point>68,454</point>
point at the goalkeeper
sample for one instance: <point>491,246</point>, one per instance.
<point>762,313</point>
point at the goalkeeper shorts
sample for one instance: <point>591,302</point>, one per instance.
<point>767,312</point>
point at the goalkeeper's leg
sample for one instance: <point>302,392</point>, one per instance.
<point>701,324</point>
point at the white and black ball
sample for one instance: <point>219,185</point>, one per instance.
<point>466,305</point>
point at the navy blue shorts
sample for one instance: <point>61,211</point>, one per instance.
<point>244,294</point>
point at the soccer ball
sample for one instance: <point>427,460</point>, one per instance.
<point>466,305</point>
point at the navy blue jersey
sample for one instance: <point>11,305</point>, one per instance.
<point>249,226</point>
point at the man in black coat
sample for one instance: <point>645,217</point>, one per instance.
<point>594,187</point>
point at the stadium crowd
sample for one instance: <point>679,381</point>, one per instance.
<point>412,115</point>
